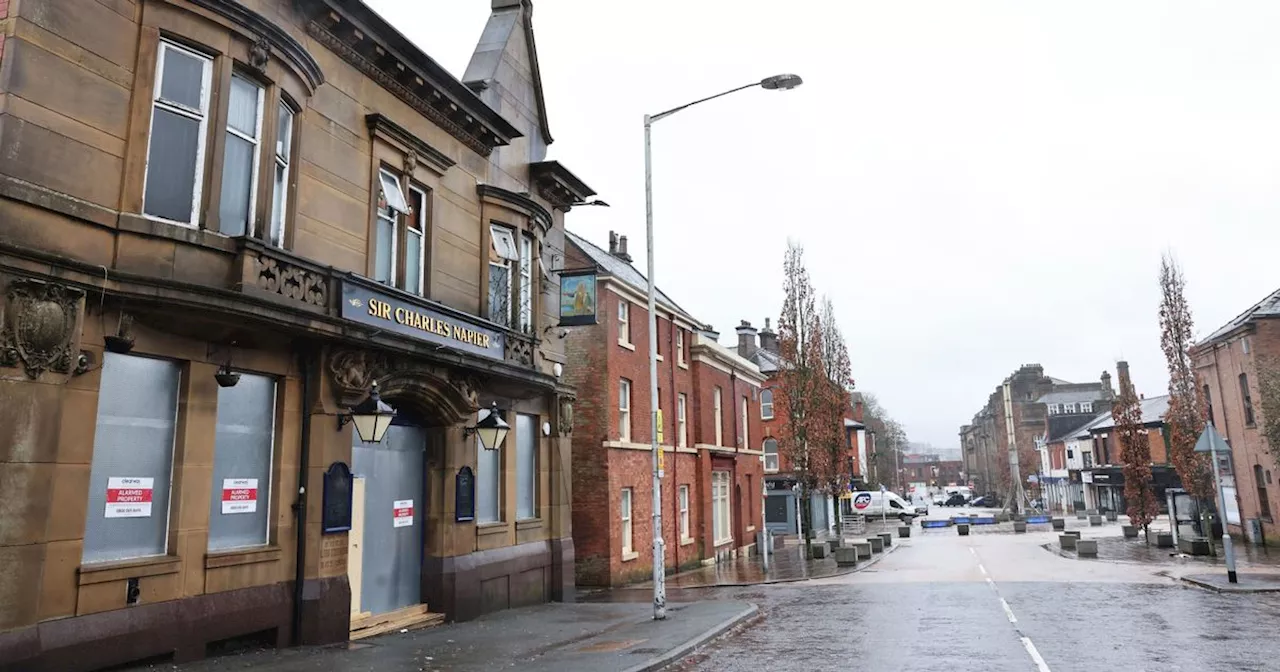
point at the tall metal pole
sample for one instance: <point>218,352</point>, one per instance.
<point>1015,475</point>
<point>659,562</point>
<point>1228,549</point>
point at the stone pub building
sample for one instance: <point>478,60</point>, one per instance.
<point>222,222</point>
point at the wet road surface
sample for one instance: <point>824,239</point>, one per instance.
<point>997,602</point>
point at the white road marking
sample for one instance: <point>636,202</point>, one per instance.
<point>974,551</point>
<point>983,569</point>
<point>1035,655</point>
<point>1008,612</point>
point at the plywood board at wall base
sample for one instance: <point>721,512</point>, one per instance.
<point>355,546</point>
<point>409,618</point>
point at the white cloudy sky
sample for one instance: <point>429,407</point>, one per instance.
<point>978,184</point>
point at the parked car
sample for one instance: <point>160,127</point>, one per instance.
<point>955,500</point>
<point>984,502</point>
<point>939,499</point>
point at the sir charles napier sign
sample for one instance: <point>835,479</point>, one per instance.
<point>371,307</point>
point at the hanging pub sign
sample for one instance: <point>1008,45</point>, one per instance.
<point>464,495</point>
<point>577,298</point>
<point>337,499</point>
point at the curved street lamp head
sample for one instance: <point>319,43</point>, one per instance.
<point>781,82</point>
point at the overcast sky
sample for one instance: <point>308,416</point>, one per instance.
<point>977,184</point>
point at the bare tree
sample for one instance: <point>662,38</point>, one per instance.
<point>801,382</point>
<point>832,406</point>
<point>1186,417</point>
<point>1135,455</point>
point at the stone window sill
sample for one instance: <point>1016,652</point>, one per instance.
<point>242,556</point>
<point>683,365</point>
<point>529,524</point>
<point>628,556</point>
<point>686,541</point>
<point>751,528</point>
<point>724,542</point>
<point>103,572</point>
<point>486,529</point>
<point>629,346</point>
<point>659,358</point>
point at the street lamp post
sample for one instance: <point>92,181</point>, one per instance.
<point>777,83</point>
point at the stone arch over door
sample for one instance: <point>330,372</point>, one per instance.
<point>438,395</point>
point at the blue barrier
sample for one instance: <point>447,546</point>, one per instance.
<point>985,520</point>
<point>1038,519</point>
<point>935,523</point>
<point>960,520</point>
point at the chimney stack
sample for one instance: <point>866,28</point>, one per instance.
<point>746,340</point>
<point>613,244</point>
<point>710,332</point>
<point>1108,392</point>
<point>622,250</point>
<point>768,339</point>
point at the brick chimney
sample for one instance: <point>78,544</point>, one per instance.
<point>746,340</point>
<point>618,247</point>
<point>1108,392</point>
<point>768,338</point>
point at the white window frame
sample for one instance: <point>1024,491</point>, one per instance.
<point>389,213</point>
<point>1054,409</point>
<point>392,192</point>
<point>280,195</point>
<point>503,241</point>
<point>764,447</point>
<point>766,407</point>
<point>250,226</point>
<point>201,115</point>
<point>682,427</point>
<point>624,322</point>
<point>683,499</point>
<point>722,517</point>
<point>719,416</point>
<point>680,346</point>
<point>416,224</point>
<point>746,433</point>
<point>526,283</point>
<point>1068,409</point>
<point>624,409</point>
<point>627,500</point>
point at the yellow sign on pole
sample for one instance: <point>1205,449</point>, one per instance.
<point>660,429</point>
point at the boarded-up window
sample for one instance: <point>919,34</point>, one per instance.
<point>243,443</point>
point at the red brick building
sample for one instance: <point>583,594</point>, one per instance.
<point>709,399</point>
<point>1230,364</point>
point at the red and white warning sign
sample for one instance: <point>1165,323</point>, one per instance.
<point>239,495</point>
<point>403,513</point>
<point>129,497</point>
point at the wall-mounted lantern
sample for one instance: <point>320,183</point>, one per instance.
<point>492,429</point>
<point>372,417</point>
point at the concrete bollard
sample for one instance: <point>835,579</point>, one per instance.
<point>1080,515</point>
<point>877,544</point>
<point>1164,540</point>
<point>863,549</point>
<point>1130,531</point>
<point>1112,517</point>
<point>1095,520</point>
<point>1059,524</point>
<point>963,529</point>
<point>904,531</point>
<point>846,556</point>
<point>1019,527</point>
<point>833,544</point>
<point>819,551</point>
<point>1087,548</point>
<point>1067,542</point>
<point>887,537</point>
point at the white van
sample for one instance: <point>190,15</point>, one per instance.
<point>873,504</point>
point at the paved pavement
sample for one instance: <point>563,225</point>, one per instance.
<point>997,602</point>
<point>544,638</point>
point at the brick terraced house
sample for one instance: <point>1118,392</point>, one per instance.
<point>709,398</point>
<point>222,224</point>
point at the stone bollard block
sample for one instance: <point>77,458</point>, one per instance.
<point>846,556</point>
<point>887,537</point>
<point>1019,527</point>
<point>1092,512</point>
<point>1067,542</point>
<point>1095,520</point>
<point>1074,533</point>
<point>963,529</point>
<point>904,531</point>
<point>1080,515</point>
<point>1087,548</point>
<point>1130,531</point>
<point>863,549</point>
<point>1164,540</point>
<point>877,544</point>
<point>833,544</point>
<point>1193,546</point>
<point>819,551</point>
<point>1112,517</point>
<point>1059,524</point>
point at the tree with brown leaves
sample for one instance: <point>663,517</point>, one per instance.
<point>832,406</point>
<point>1186,416</point>
<point>1135,456</point>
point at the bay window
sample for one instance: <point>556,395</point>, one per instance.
<point>502,254</point>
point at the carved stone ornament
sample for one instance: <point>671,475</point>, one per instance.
<point>410,162</point>
<point>39,329</point>
<point>259,53</point>
<point>566,415</point>
<point>292,282</point>
<point>437,393</point>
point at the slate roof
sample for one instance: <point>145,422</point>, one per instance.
<point>625,273</point>
<point>1268,307</point>
<point>1070,396</point>
<point>766,360</point>
<point>1153,410</point>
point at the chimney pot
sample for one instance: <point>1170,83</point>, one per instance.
<point>613,243</point>
<point>618,247</point>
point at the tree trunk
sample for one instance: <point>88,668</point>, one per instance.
<point>836,517</point>
<point>806,512</point>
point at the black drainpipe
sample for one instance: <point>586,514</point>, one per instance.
<point>300,506</point>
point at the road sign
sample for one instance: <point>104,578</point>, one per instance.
<point>1210,441</point>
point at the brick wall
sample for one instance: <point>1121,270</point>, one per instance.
<point>1220,368</point>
